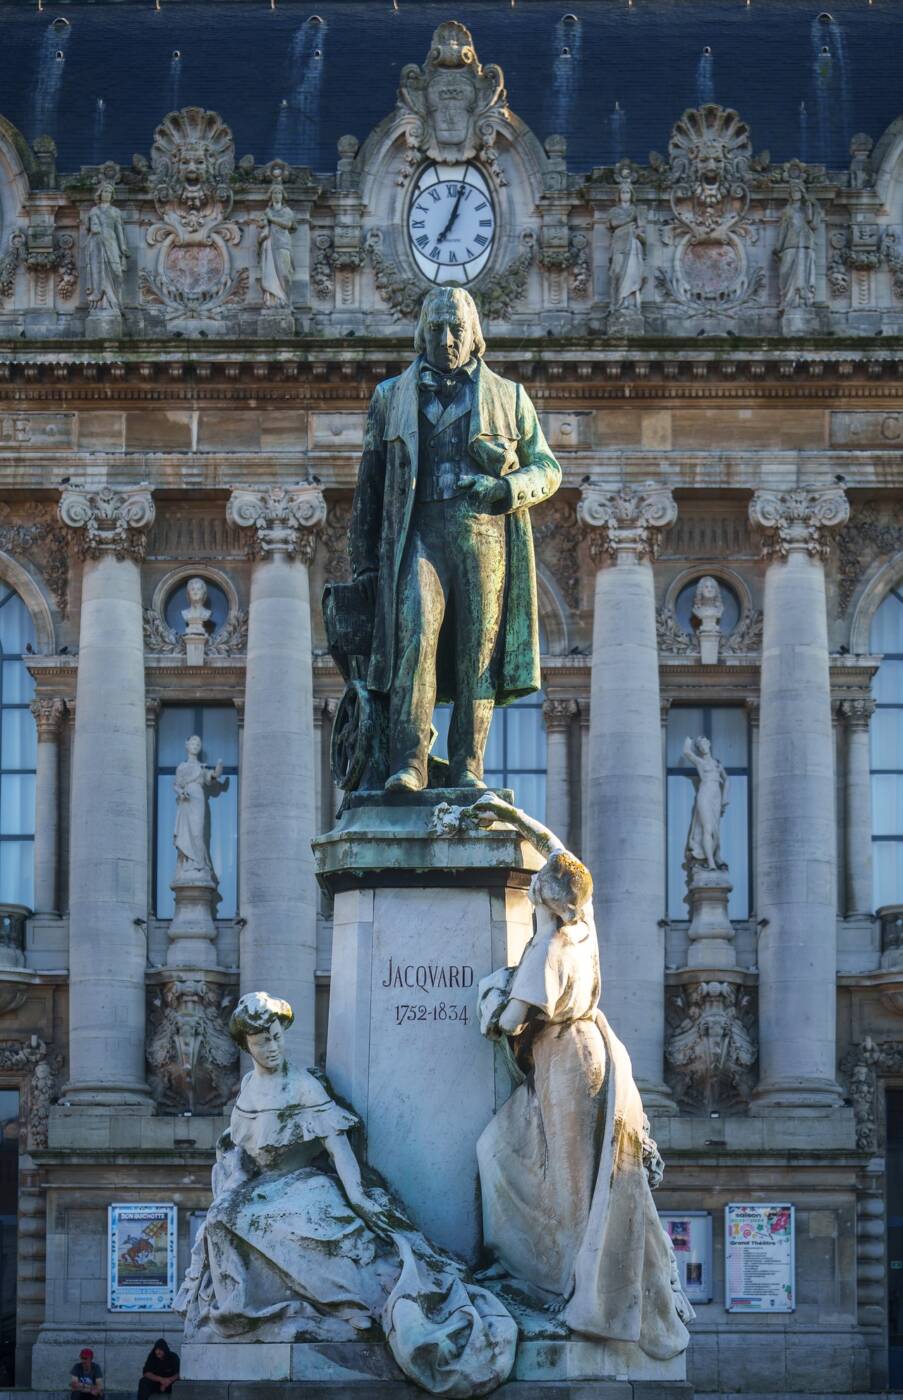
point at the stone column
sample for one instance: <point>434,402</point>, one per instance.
<point>752,717</point>
<point>796,836</point>
<point>558,715</point>
<point>48,714</point>
<point>583,706</point>
<point>277,822</point>
<point>626,846</point>
<point>108,842</point>
<point>857,716</point>
<point>152,709</point>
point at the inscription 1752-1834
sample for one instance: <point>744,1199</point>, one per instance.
<point>428,978</point>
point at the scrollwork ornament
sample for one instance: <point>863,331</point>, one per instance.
<point>108,520</point>
<point>629,519</point>
<point>284,519</point>
<point>452,108</point>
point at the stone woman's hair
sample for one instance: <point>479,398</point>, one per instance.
<point>567,881</point>
<point>254,1012</point>
<point>447,296</point>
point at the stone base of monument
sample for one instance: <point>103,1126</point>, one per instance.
<point>419,919</point>
<point>192,933</point>
<point>541,1369</point>
<point>103,325</point>
<point>711,933</point>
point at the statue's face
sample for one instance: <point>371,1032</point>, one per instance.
<point>196,590</point>
<point>193,745</point>
<point>448,334</point>
<point>192,165</point>
<point>267,1047</point>
<point>703,746</point>
<point>277,197</point>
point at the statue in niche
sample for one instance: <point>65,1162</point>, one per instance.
<point>274,248</point>
<point>443,602</point>
<point>567,1165</point>
<point>628,250</point>
<point>197,615</point>
<point>795,249</point>
<point>705,614</point>
<point>704,836</point>
<point>298,1247</point>
<point>106,253</point>
<point>193,782</point>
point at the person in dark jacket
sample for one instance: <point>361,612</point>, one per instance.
<point>161,1371</point>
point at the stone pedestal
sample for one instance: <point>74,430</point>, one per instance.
<point>103,325</point>
<point>275,322</point>
<point>711,933</point>
<point>419,920</point>
<point>192,933</point>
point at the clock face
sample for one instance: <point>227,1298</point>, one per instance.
<point>451,223</point>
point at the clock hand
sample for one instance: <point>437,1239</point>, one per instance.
<point>454,215</point>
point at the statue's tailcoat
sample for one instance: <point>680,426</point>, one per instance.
<point>504,440</point>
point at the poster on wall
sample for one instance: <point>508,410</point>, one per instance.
<point>691,1238</point>
<point>142,1258</point>
<point>759,1257</point>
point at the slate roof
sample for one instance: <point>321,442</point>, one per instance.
<point>613,79</point>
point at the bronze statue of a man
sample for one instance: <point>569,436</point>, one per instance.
<point>453,459</point>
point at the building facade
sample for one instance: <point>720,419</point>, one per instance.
<point>188,344</point>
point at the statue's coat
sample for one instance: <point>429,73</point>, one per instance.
<point>505,440</point>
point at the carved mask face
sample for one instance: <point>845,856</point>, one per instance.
<point>448,334</point>
<point>267,1047</point>
<point>192,166</point>
<point>710,174</point>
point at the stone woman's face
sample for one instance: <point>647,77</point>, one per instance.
<point>196,590</point>
<point>267,1047</point>
<point>193,745</point>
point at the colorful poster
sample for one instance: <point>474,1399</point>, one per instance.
<point>759,1257</point>
<point>142,1258</point>
<point>691,1239</point>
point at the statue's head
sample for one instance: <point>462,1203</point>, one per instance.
<point>703,746</point>
<point>193,745</point>
<point>105,192</point>
<point>563,885</point>
<point>258,1025</point>
<point>277,196</point>
<point>196,590</point>
<point>449,332</point>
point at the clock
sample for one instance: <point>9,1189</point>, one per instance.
<point>451,223</point>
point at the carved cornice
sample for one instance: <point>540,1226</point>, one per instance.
<point>48,717</point>
<point>108,520</point>
<point>284,519</point>
<point>629,520</point>
<point>801,519</point>
<point>857,714</point>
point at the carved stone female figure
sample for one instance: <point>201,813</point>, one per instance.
<point>627,255</point>
<point>106,253</point>
<point>704,837</point>
<point>795,249</point>
<point>191,834</point>
<point>567,1164</point>
<point>292,1250</point>
<point>274,245</point>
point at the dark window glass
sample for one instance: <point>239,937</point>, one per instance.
<point>886,732</point>
<point>18,752</point>
<point>515,751</point>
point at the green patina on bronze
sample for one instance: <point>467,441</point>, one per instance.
<point>443,606</point>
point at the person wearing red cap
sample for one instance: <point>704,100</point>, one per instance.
<point>86,1377</point>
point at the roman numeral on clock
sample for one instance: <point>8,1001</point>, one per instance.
<point>480,239</point>
<point>423,240</point>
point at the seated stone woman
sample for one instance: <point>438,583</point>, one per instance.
<point>565,1165</point>
<point>296,1248</point>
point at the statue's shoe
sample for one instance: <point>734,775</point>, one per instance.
<point>467,780</point>
<point>405,780</point>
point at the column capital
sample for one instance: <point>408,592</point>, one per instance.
<point>857,713</point>
<point>629,519</point>
<point>558,712</point>
<point>239,702</point>
<point>48,717</point>
<point>284,519</point>
<point>110,520</point>
<point>752,706</point>
<point>799,519</point>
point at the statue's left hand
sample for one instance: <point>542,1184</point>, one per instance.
<point>484,491</point>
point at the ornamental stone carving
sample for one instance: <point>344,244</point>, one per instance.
<point>106,253</point>
<point>274,250</point>
<point>706,613</point>
<point>711,1049</point>
<point>861,1067</point>
<point>452,108</point>
<point>798,519</point>
<point>559,713</point>
<point>284,520</point>
<point>857,714</point>
<point>796,245</point>
<point>711,161</point>
<point>44,1064</point>
<point>629,521</point>
<point>192,160</point>
<point>872,531</point>
<point>108,520</point>
<point>746,636</point>
<point>48,717</point>
<point>669,634</point>
<point>192,1061</point>
<point>626,258</point>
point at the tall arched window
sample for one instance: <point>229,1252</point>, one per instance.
<point>887,751</point>
<point>18,752</point>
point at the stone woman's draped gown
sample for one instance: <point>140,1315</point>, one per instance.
<point>284,1257</point>
<point>567,1207</point>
